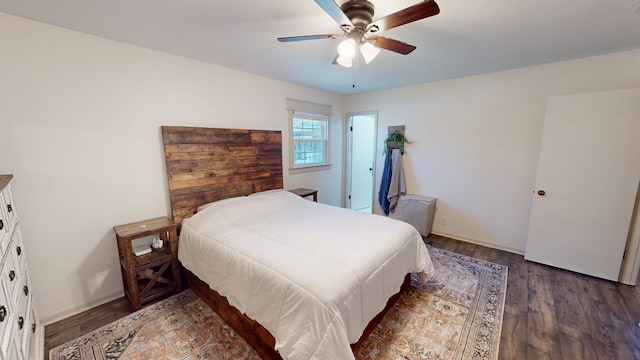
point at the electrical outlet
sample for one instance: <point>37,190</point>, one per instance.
<point>443,221</point>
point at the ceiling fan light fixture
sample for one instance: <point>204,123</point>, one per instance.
<point>369,51</point>
<point>347,48</point>
<point>346,62</point>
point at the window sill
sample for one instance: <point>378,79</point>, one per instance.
<point>311,168</point>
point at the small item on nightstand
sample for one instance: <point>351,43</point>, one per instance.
<point>157,242</point>
<point>141,250</point>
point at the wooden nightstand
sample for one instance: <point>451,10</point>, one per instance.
<point>306,192</point>
<point>149,276</point>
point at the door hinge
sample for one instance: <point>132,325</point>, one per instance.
<point>349,197</point>
<point>351,128</point>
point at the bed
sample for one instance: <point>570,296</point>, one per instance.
<point>296,279</point>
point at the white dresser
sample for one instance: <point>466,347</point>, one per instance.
<point>21,334</point>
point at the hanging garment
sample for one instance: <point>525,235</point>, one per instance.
<point>397,186</point>
<point>384,184</point>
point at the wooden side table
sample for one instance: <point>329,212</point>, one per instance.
<point>149,276</point>
<point>306,192</point>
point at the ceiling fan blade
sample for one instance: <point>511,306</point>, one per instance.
<point>307,37</point>
<point>331,8</point>
<point>405,16</point>
<point>392,45</point>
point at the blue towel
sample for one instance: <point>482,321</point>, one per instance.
<point>384,184</point>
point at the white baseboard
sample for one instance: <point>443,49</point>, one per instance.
<point>78,309</point>
<point>480,242</point>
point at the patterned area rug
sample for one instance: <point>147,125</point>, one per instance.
<point>455,315</point>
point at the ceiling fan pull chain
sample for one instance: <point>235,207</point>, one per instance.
<point>355,70</point>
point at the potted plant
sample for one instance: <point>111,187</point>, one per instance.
<point>395,140</point>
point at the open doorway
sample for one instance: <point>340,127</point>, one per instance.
<point>361,147</point>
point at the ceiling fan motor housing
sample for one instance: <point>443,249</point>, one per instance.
<point>360,12</point>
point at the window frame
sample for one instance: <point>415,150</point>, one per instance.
<point>325,141</point>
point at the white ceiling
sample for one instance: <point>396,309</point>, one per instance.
<point>466,38</point>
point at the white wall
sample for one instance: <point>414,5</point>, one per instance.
<point>477,139</point>
<point>80,130</point>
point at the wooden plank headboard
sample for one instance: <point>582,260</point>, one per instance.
<point>209,164</point>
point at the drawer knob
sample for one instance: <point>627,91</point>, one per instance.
<point>3,313</point>
<point>20,322</point>
<point>12,275</point>
<point>9,208</point>
<point>26,290</point>
<point>19,250</point>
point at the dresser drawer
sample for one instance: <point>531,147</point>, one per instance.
<point>12,352</point>
<point>7,315</point>
<point>22,329</point>
<point>12,275</point>
<point>8,207</point>
<point>35,331</point>
<point>5,235</point>
<point>17,247</point>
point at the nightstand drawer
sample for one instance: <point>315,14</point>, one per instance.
<point>154,258</point>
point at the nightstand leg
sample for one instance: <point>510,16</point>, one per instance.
<point>132,281</point>
<point>173,237</point>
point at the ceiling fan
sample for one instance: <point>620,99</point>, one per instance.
<point>355,18</point>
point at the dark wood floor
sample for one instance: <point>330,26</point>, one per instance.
<point>549,313</point>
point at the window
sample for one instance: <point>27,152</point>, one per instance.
<point>309,139</point>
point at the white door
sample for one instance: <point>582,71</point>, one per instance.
<point>362,134</point>
<point>589,170</point>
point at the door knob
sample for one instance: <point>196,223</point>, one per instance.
<point>541,192</point>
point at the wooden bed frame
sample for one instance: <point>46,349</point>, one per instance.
<point>210,164</point>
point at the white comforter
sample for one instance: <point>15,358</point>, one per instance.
<point>314,275</point>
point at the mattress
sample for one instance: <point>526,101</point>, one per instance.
<point>313,275</point>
